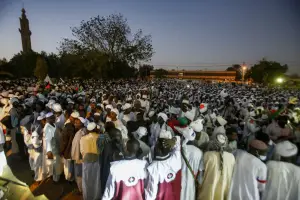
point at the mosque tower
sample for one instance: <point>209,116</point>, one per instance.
<point>25,32</point>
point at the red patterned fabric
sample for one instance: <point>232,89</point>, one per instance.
<point>170,190</point>
<point>136,192</point>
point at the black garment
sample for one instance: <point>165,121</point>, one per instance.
<point>68,134</point>
<point>109,154</point>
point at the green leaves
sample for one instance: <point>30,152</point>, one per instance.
<point>111,36</point>
<point>267,71</point>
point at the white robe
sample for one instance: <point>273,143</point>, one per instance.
<point>249,177</point>
<point>195,159</point>
<point>283,181</point>
<point>47,164</point>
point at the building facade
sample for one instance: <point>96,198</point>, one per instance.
<point>221,76</point>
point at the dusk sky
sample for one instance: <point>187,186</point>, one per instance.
<point>205,33</point>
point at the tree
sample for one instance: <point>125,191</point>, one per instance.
<point>238,69</point>
<point>111,36</point>
<point>22,64</point>
<point>160,73</point>
<point>3,61</point>
<point>41,69</point>
<point>267,71</point>
<point>144,70</point>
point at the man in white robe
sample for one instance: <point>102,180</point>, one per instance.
<point>202,137</point>
<point>191,165</point>
<point>48,135</point>
<point>283,180</point>
<point>145,149</point>
<point>129,185</point>
<point>250,173</point>
<point>3,161</point>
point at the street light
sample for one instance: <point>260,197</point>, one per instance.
<point>279,80</point>
<point>244,68</point>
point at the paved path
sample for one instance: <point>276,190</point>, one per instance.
<point>61,190</point>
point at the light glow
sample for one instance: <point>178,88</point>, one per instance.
<point>279,80</point>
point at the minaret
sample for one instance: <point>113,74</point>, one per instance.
<point>25,32</point>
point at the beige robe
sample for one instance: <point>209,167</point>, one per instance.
<point>216,186</point>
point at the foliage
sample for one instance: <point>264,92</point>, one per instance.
<point>144,70</point>
<point>41,69</point>
<point>3,61</point>
<point>22,64</point>
<point>238,69</point>
<point>103,47</point>
<point>111,36</point>
<point>267,71</point>
<point>160,73</point>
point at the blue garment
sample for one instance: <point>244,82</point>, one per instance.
<point>91,183</point>
<point>270,152</point>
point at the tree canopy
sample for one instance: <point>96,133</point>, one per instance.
<point>144,70</point>
<point>111,36</point>
<point>160,73</point>
<point>101,47</point>
<point>238,69</point>
<point>267,71</point>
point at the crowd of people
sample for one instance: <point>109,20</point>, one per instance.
<point>156,139</point>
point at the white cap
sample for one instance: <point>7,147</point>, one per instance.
<point>163,116</point>
<point>128,98</point>
<point>203,107</point>
<point>75,114</point>
<point>49,114</point>
<point>197,125</point>
<point>221,120</point>
<point>189,134</point>
<point>115,111</point>
<point>93,100</point>
<point>91,126</point>
<point>286,149</point>
<point>174,110</point>
<point>82,120</point>
<point>151,113</point>
<point>126,106</point>
<point>109,107</point>
<point>142,131</point>
<point>57,107</point>
<point>165,134</point>
<point>96,114</point>
<point>41,117</point>
<point>190,115</point>
<point>184,101</point>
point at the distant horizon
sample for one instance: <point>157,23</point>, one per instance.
<point>207,35</point>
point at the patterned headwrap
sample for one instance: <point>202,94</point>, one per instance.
<point>218,143</point>
<point>102,140</point>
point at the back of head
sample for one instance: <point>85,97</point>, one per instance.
<point>160,149</point>
<point>132,146</point>
<point>263,137</point>
<point>115,135</point>
<point>109,126</point>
